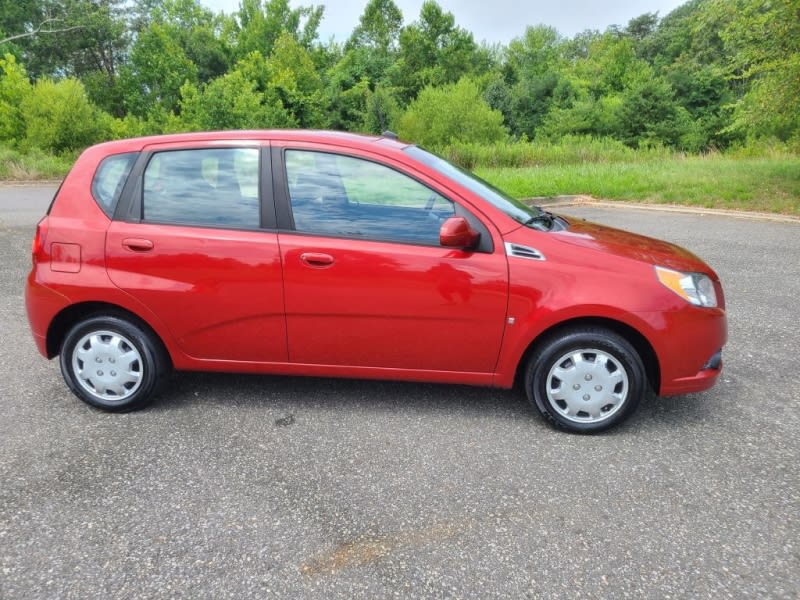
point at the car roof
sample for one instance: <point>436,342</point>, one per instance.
<point>352,140</point>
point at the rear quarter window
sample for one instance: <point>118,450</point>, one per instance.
<point>109,179</point>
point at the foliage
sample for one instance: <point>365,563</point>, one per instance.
<point>157,69</point>
<point>59,116</point>
<point>451,113</point>
<point>14,88</point>
<point>762,43</point>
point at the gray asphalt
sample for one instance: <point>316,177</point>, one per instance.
<point>254,487</point>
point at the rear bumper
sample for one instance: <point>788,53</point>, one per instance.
<point>42,305</point>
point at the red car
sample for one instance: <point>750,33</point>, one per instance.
<point>339,255</point>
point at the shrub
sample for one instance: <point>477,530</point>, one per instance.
<point>451,114</point>
<point>14,87</point>
<point>59,116</point>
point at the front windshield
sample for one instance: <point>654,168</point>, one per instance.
<point>522,213</point>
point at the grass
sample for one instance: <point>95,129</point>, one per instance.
<point>712,181</point>
<point>33,165</point>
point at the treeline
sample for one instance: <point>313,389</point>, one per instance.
<point>709,75</point>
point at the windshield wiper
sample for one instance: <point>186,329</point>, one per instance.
<point>543,218</point>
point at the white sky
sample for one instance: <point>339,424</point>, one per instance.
<point>489,20</point>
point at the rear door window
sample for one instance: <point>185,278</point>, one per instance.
<point>110,178</point>
<point>215,187</point>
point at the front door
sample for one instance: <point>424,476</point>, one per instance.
<point>367,283</point>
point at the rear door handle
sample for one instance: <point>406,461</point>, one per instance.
<point>138,244</point>
<point>316,260</point>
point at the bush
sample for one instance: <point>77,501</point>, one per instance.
<point>14,88</point>
<point>451,114</point>
<point>59,117</point>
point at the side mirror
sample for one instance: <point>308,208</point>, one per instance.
<point>456,232</point>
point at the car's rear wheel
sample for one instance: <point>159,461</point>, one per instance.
<point>585,380</point>
<point>113,363</point>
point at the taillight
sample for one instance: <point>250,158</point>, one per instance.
<point>37,247</point>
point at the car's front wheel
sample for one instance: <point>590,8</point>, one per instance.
<point>113,363</point>
<point>585,380</point>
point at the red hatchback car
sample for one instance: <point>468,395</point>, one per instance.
<point>333,254</point>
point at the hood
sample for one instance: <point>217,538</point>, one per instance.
<point>637,247</point>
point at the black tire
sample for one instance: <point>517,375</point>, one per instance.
<point>128,363</point>
<point>586,379</point>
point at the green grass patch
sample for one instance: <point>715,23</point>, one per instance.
<point>33,165</point>
<point>712,181</point>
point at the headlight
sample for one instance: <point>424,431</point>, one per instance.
<point>695,288</point>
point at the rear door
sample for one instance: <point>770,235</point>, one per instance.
<point>194,241</point>
<point>367,283</point>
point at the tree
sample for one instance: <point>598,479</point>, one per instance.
<point>378,27</point>
<point>762,40</point>
<point>649,114</point>
<point>296,82</point>
<point>642,27</point>
<point>535,54</point>
<point>90,36</point>
<point>451,113</point>
<point>261,22</point>
<point>157,70</point>
<point>434,51</point>
<point>198,31</point>
<point>533,65</point>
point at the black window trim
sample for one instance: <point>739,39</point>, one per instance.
<point>129,207</point>
<point>283,208</point>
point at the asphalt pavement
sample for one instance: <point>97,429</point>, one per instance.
<point>234,486</point>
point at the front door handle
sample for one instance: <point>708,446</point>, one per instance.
<point>138,244</point>
<point>317,260</point>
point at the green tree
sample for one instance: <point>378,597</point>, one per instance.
<point>434,51</point>
<point>157,70</point>
<point>92,37</point>
<point>296,82</point>
<point>199,32</point>
<point>378,27</point>
<point>649,115</point>
<point>536,54</point>
<point>762,40</point>
<point>259,24</point>
<point>533,65</point>
<point>359,92</point>
<point>451,113</point>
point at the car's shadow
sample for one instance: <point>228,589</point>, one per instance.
<point>286,392</point>
<point>284,396</point>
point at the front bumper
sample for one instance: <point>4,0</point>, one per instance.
<point>690,350</point>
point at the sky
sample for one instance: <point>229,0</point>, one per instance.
<point>489,20</point>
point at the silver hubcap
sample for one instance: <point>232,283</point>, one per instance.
<point>107,365</point>
<point>587,386</point>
